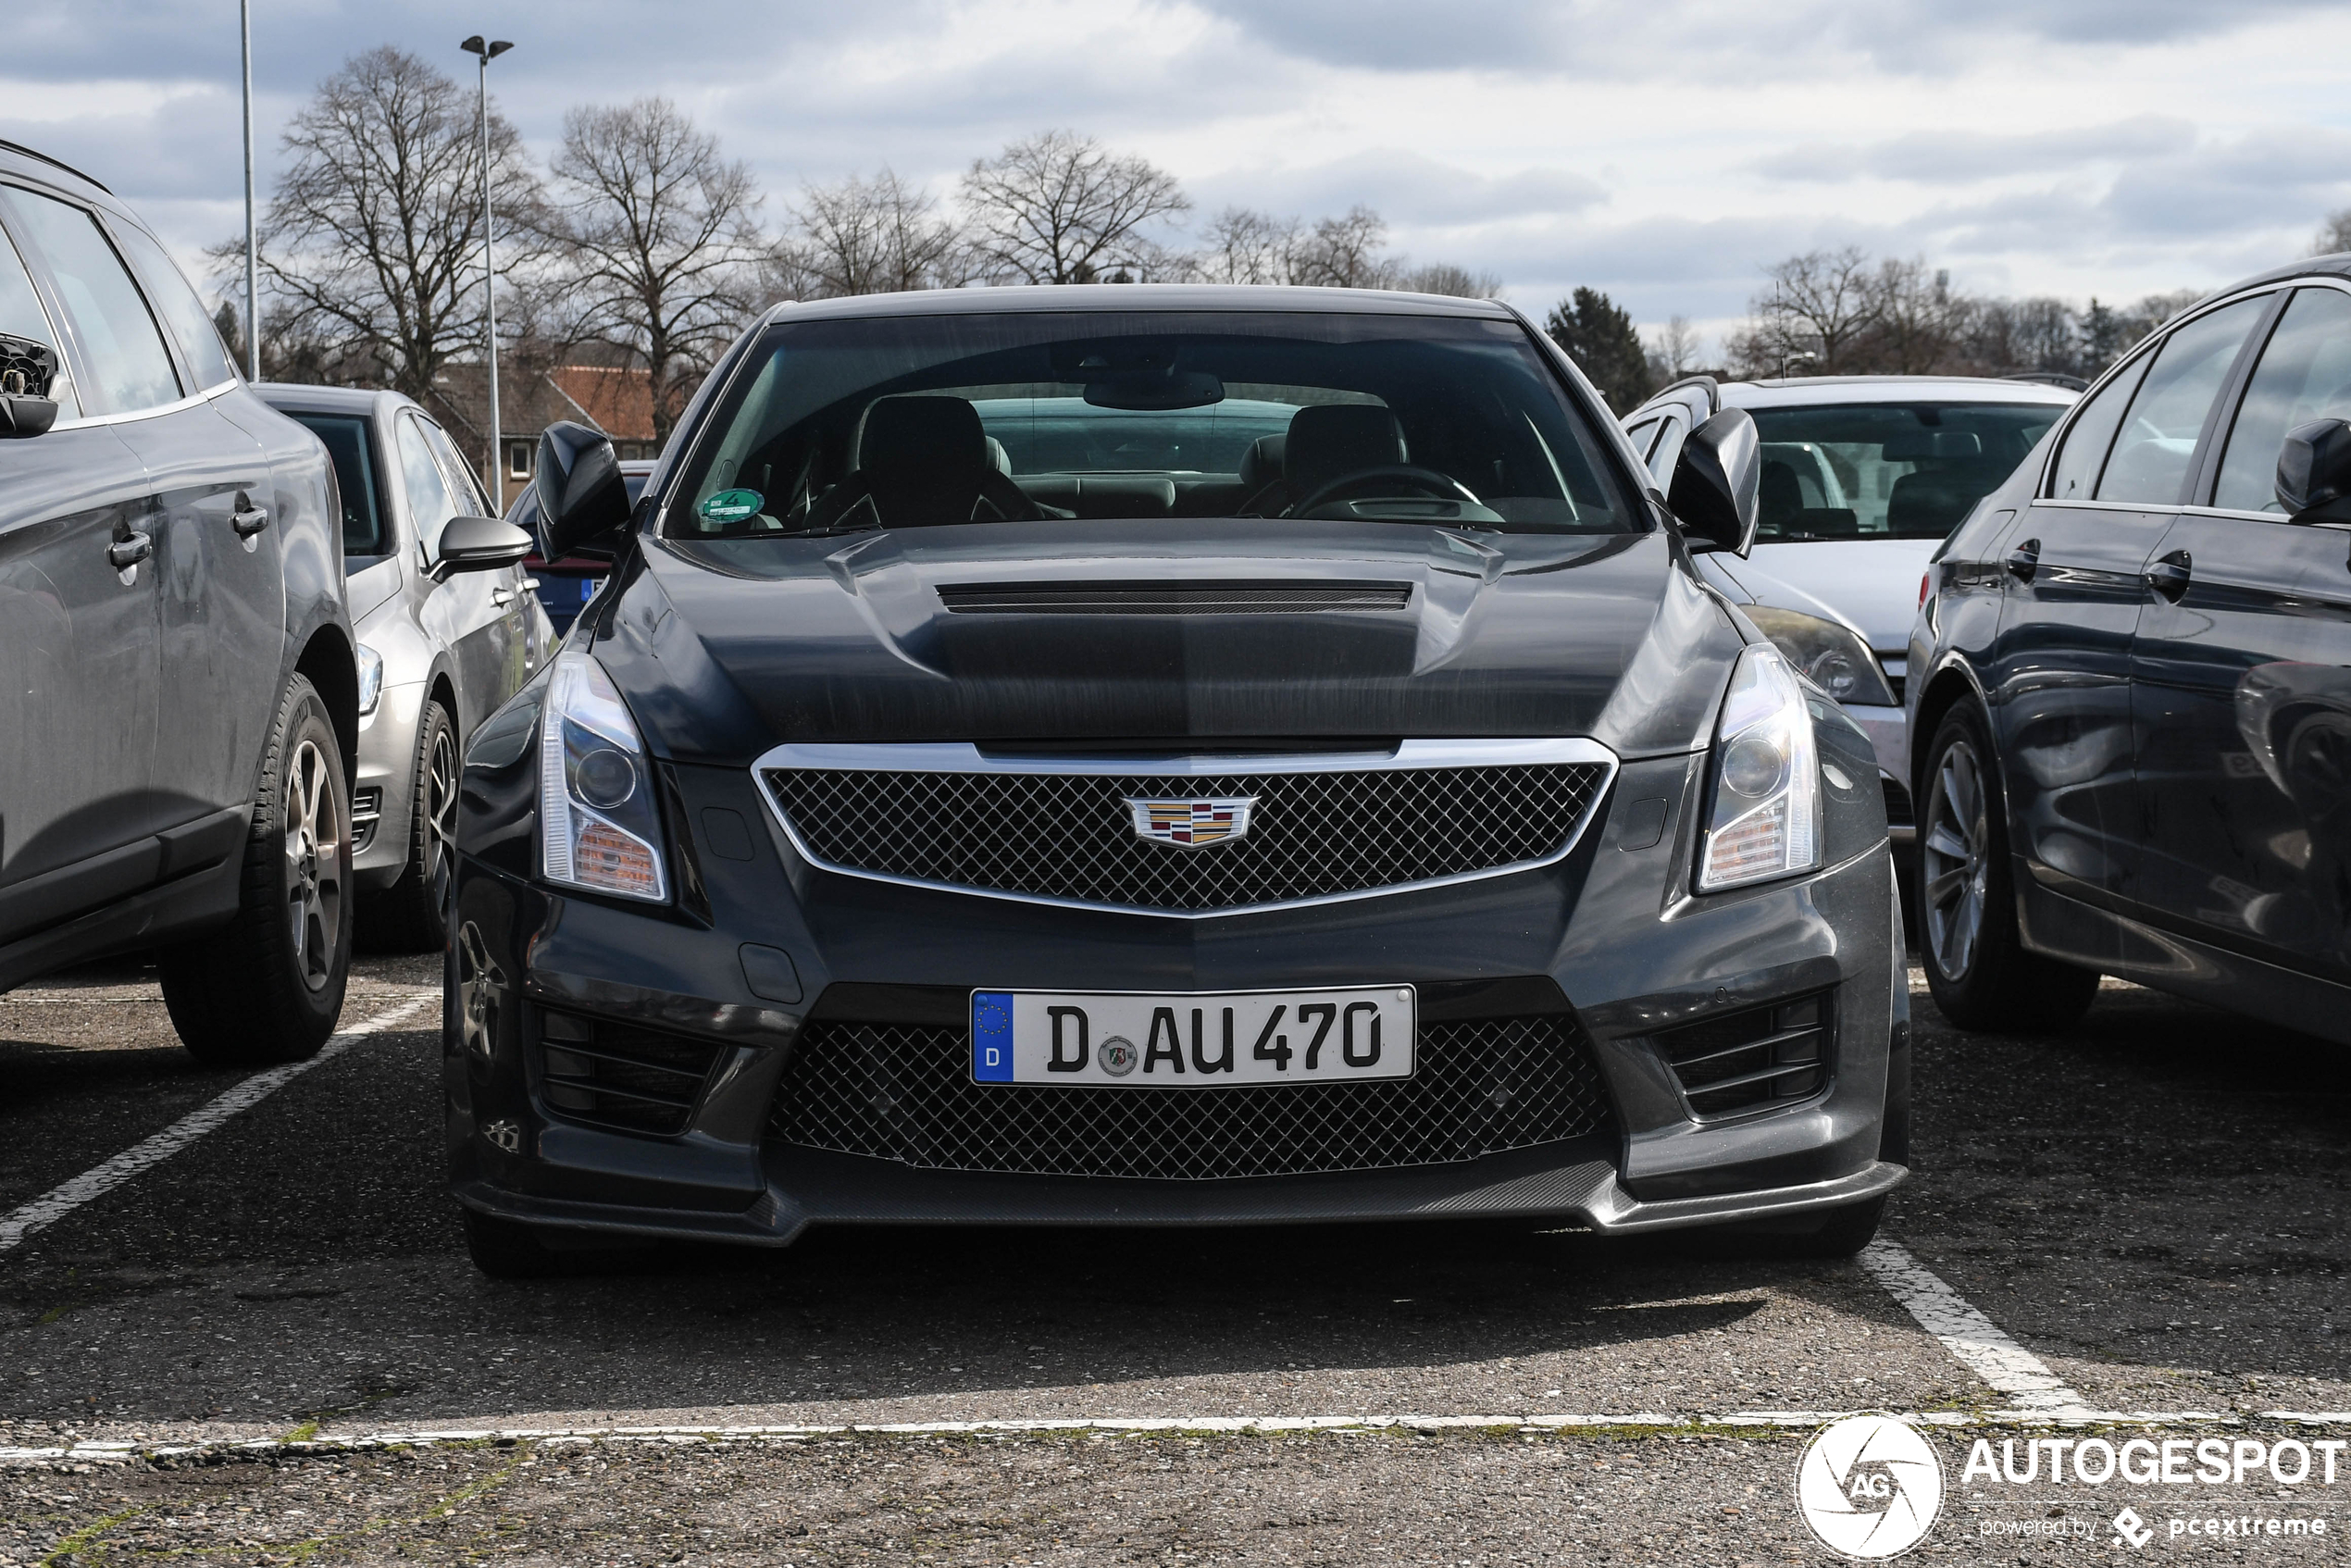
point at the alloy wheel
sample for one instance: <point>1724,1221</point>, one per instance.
<point>441,816</point>
<point>1954,859</point>
<point>313,863</point>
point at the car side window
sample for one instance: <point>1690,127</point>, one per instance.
<point>2159,436</point>
<point>463,485</point>
<point>168,290</point>
<point>2305,374</point>
<point>129,369</point>
<point>429,502</point>
<point>29,362</point>
<point>1641,435</point>
<point>2092,435</point>
<point>1668,450</point>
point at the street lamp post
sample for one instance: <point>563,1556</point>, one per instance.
<point>252,246</point>
<point>485,53</point>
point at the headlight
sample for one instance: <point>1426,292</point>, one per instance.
<point>1830,656</point>
<point>371,680</point>
<point>599,824</point>
<point>1766,820</point>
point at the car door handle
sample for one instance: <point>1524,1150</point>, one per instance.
<point>129,551</point>
<point>2024,560</point>
<point>502,597</point>
<point>2168,574</point>
<point>248,519</point>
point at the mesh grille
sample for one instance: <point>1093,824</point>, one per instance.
<point>904,1092</point>
<point>1071,836</point>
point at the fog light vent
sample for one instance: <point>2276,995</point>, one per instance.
<point>621,1077</point>
<point>1746,1059</point>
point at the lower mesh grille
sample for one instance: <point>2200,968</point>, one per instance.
<point>904,1092</point>
<point>618,1076</point>
<point>1740,1061</point>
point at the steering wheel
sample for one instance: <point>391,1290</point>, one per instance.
<point>1443,486</point>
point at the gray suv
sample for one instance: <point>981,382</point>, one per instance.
<point>442,644</point>
<point>179,692</point>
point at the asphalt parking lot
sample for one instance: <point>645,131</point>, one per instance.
<point>2150,1207</point>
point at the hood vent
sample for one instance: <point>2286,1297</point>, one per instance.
<point>1278,596</point>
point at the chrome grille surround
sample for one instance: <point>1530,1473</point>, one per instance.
<point>1057,829</point>
<point>904,1092</point>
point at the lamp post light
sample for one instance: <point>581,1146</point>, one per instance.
<point>486,53</point>
<point>252,244</point>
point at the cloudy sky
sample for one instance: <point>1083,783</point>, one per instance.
<point>1663,151</point>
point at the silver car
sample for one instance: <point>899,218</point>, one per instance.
<point>443,642</point>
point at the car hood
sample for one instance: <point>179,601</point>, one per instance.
<point>1870,584</point>
<point>1039,632</point>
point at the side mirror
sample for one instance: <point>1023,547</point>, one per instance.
<point>1717,481</point>
<point>582,495</point>
<point>478,544</point>
<point>22,416</point>
<point>2313,470</point>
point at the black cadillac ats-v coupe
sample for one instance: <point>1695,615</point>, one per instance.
<point>1148,755</point>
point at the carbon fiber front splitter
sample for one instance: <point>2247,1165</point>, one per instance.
<point>1572,1182</point>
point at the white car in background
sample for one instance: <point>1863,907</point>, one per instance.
<point>1864,477</point>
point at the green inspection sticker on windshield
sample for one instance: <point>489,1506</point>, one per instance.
<point>733,506</point>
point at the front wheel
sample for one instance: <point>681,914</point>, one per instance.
<point>1982,977</point>
<point>412,915</point>
<point>268,985</point>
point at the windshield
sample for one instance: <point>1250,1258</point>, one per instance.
<point>1888,470</point>
<point>916,421</point>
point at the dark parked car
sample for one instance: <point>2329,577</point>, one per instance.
<point>1161,755</point>
<point>177,690</point>
<point>564,587</point>
<point>2130,685</point>
<point>445,637</point>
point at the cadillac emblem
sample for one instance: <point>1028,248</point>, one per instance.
<point>1193,824</point>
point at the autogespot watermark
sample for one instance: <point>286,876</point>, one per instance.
<point>1872,1487</point>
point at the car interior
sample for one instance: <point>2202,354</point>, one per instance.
<point>1887,471</point>
<point>1166,426</point>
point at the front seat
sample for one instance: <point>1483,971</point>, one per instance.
<point>1329,441</point>
<point>1779,499</point>
<point>1932,500</point>
<point>921,460</point>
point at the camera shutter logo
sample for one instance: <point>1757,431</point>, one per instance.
<point>1869,1487</point>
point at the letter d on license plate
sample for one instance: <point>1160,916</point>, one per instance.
<point>1193,1041</point>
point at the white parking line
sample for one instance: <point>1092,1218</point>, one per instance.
<point>99,1181</point>
<point>1979,1344</point>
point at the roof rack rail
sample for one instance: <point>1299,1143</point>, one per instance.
<point>57,163</point>
<point>2051,379</point>
<point>1713,391</point>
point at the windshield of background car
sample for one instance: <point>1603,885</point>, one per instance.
<point>908,422</point>
<point>345,437</point>
<point>1888,470</point>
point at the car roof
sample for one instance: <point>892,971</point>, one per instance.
<point>2337,265</point>
<point>1812,391</point>
<point>287,396</point>
<point>15,154</point>
<point>1127,297</point>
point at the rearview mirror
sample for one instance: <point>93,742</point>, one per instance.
<point>2314,471</point>
<point>582,497</point>
<point>1717,481</point>
<point>479,544</point>
<point>22,416</point>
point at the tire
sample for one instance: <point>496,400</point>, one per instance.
<point>268,985</point>
<point>508,1249</point>
<point>412,915</point>
<point>1843,1234</point>
<point>1977,966</point>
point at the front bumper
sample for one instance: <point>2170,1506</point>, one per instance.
<point>1610,933</point>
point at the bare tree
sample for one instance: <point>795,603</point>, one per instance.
<point>1673,350</point>
<point>1345,252</point>
<point>1919,324</point>
<point>1249,246</point>
<point>2334,234</point>
<point>1444,277</point>
<point>871,237</point>
<point>371,243</point>
<point>1061,208</point>
<point>1818,307</point>
<point>657,237</point>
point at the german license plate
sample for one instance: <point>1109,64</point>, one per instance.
<point>1193,1039</point>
